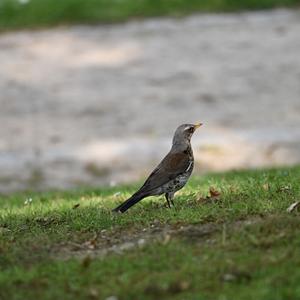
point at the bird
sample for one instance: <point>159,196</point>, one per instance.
<point>171,174</point>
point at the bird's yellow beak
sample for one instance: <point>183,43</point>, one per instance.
<point>197,125</point>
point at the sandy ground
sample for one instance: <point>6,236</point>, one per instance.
<point>96,105</point>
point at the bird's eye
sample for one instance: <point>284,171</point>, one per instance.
<point>189,129</point>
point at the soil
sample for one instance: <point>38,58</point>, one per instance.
<point>119,240</point>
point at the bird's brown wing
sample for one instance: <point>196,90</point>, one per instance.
<point>170,167</point>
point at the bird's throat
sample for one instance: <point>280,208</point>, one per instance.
<point>182,146</point>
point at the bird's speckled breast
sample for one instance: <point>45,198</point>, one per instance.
<point>180,181</point>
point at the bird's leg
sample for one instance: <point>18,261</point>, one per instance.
<point>171,197</point>
<point>167,198</point>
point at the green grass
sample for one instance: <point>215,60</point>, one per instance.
<point>240,245</point>
<point>41,13</point>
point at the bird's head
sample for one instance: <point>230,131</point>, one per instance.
<point>184,133</point>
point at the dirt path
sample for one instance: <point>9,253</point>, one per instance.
<point>97,105</point>
<point>120,240</point>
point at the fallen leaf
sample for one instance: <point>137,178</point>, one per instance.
<point>293,206</point>
<point>214,193</point>
<point>91,244</point>
<point>266,186</point>
<point>76,206</point>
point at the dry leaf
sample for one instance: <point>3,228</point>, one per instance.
<point>213,196</point>
<point>92,243</point>
<point>214,193</point>
<point>293,206</point>
<point>76,206</point>
<point>266,186</point>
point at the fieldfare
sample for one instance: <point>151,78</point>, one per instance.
<point>172,173</point>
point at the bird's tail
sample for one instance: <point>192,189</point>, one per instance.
<point>135,198</point>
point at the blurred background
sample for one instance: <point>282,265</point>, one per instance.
<point>92,91</point>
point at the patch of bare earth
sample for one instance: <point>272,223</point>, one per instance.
<point>119,240</point>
